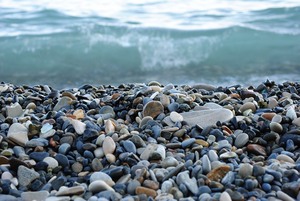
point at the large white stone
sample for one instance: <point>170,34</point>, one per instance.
<point>18,133</point>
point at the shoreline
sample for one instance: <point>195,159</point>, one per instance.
<point>139,141</point>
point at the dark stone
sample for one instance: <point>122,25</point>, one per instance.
<point>129,146</point>
<point>58,182</point>
<point>41,165</point>
<point>62,160</point>
<point>38,156</point>
<point>36,185</point>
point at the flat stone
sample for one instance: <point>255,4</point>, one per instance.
<point>218,173</point>
<point>143,190</point>
<point>291,113</point>
<point>8,198</point>
<point>283,196</point>
<point>276,127</point>
<point>37,196</point>
<point>63,102</point>
<point>78,126</point>
<point>206,118</point>
<point>75,190</point>
<point>241,140</point>
<point>247,106</point>
<point>225,197</point>
<point>26,175</point>
<point>37,142</point>
<point>18,133</point>
<point>153,108</point>
<point>285,158</point>
<point>109,145</point>
<point>169,161</point>
<point>228,155</point>
<point>102,176</point>
<point>256,149</point>
<point>61,198</point>
<point>176,117</point>
<point>206,166</point>
<point>190,183</point>
<point>296,122</point>
<point>109,126</point>
<point>98,186</point>
<point>52,162</point>
<point>14,110</point>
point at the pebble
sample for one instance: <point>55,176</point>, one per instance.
<point>153,109</point>
<point>26,175</point>
<point>241,140</point>
<point>18,133</point>
<point>136,141</point>
<point>14,110</point>
<point>98,186</point>
<point>109,145</point>
<point>176,117</point>
<point>205,118</point>
<point>38,196</point>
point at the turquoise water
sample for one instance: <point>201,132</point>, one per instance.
<point>71,43</point>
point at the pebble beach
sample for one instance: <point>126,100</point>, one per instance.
<point>149,141</point>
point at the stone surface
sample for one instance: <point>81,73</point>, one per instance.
<point>98,186</point>
<point>241,140</point>
<point>153,108</point>
<point>14,110</point>
<point>38,196</point>
<point>26,175</point>
<point>102,176</point>
<point>18,133</point>
<point>206,118</point>
<point>176,117</point>
<point>109,145</point>
<point>75,190</point>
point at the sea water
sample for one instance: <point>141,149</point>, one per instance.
<point>222,42</point>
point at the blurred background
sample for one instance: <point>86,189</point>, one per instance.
<point>220,42</point>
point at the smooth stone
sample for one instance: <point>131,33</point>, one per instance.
<point>143,190</point>
<point>132,185</point>
<point>241,140</point>
<point>38,156</point>
<point>3,87</point>
<point>296,122</point>
<point>229,178</point>
<point>65,191</point>
<point>169,161</point>
<point>218,173</point>
<point>79,114</point>
<point>61,198</point>
<point>283,196</point>
<point>77,167</point>
<point>256,149</point>
<point>190,183</point>
<point>206,166</point>
<point>213,156</point>
<point>166,186</point>
<point>276,127</point>
<point>247,106</point>
<point>285,158</point>
<point>188,142</point>
<point>272,102</point>
<point>245,170</point>
<point>102,176</point>
<point>37,142</point>
<point>277,118</point>
<point>129,146</point>
<point>14,110</point>
<point>18,133</point>
<point>78,126</point>
<point>4,197</point>
<point>206,87</point>
<point>52,163</point>
<point>107,110</point>
<point>228,155</point>
<point>176,117</point>
<point>109,126</point>
<point>205,118</point>
<point>225,197</point>
<point>144,121</point>
<point>64,148</point>
<point>6,176</point>
<point>291,113</point>
<point>153,109</point>
<point>62,102</point>
<point>46,127</point>
<point>62,160</point>
<point>99,153</point>
<point>37,196</point>
<point>26,175</point>
<point>98,186</point>
<point>109,145</point>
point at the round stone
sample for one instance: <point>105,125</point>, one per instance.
<point>52,163</point>
<point>225,196</point>
<point>98,186</point>
<point>102,176</point>
<point>247,106</point>
<point>241,140</point>
<point>153,109</point>
<point>276,127</point>
<point>245,170</point>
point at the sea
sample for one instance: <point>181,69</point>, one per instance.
<point>70,43</point>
